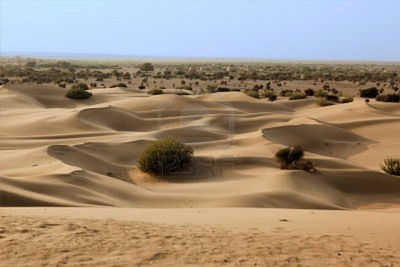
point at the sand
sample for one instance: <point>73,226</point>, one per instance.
<point>198,237</point>
<point>65,153</point>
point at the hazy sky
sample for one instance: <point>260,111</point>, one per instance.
<point>341,29</point>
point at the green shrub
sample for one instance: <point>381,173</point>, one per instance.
<point>309,92</point>
<point>211,88</point>
<point>388,98</point>
<point>369,92</point>
<point>323,102</point>
<point>146,67</point>
<point>306,165</point>
<point>346,99</point>
<point>252,93</point>
<point>155,92</point>
<point>272,98</point>
<point>142,87</point>
<point>286,156</point>
<point>296,96</point>
<point>187,87</point>
<point>119,85</point>
<point>321,93</point>
<point>332,98</point>
<point>164,156</point>
<point>291,158</point>
<point>286,92</point>
<point>83,86</point>
<point>78,93</point>
<point>268,93</point>
<point>223,89</point>
<point>391,166</point>
<point>181,93</point>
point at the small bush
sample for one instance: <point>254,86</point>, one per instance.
<point>164,156</point>
<point>223,89</point>
<point>82,86</point>
<point>118,85</point>
<point>391,166</point>
<point>306,165</point>
<point>181,93</point>
<point>296,96</point>
<point>323,102</point>
<point>286,92</point>
<point>155,92</point>
<point>333,98</point>
<point>78,93</point>
<point>309,92</point>
<point>321,93</point>
<point>291,158</point>
<point>211,88</point>
<point>268,93</point>
<point>146,67</point>
<point>388,98</point>
<point>346,99</point>
<point>272,98</point>
<point>252,93</point>
<point>142,87</point>
<point>369,93</point>
<point>286,156</point>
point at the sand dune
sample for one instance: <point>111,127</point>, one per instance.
<point>60,152</point>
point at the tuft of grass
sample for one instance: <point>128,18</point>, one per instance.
<point>391,165</point>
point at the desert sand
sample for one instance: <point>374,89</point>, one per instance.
<point>66,153</point>
<point>198,237</point>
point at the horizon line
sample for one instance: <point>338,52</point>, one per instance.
<point>83,55</point>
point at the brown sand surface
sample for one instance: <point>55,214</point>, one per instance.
<point>198,237</point>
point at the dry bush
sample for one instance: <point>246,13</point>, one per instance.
<point>391,165</point>
<point>164,156</point>
<point>292,158</point>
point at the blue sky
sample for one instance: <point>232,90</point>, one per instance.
<point>341,29</point>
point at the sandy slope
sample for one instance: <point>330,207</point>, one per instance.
<point>198,237</point>
<point>60,152</point>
